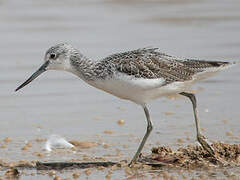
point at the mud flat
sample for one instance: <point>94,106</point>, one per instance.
<point>162,160</point>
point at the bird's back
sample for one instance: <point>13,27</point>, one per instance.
<point>149,63</point>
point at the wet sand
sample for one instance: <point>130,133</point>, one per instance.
<point>60,103</point>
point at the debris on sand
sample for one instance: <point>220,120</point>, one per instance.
<point>7,140</point>
<point>27,146</point>
<point>3,146</point>
<point>57,178</point>
<point>169,113</point>
<point>229,133</point>
<point>83,144</point>
<point>121,122</point>
<point>12,173</point>
<point>52,173</point>
<point>76,175</point>
<point>56,141</point>
<point>195,156</point>
<point>108,132</point>
<point>40,140</point>
<point>17,164</point>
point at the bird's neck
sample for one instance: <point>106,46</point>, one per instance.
<point>82,67</point>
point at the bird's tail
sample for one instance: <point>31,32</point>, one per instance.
<point>235,62</point>
<point>230,64</point>
<point>215,67</point>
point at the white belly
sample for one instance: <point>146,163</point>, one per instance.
<point>139,90</point>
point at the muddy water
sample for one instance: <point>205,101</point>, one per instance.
<point>60,103</point>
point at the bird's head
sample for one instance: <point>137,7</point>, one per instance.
<point>56,58</point>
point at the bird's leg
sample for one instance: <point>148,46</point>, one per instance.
<point>149,129</point>
<point>201,139</point>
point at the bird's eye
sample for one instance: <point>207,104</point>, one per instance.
<point>52,56</point>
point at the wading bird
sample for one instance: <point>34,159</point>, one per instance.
<point>140,76</point>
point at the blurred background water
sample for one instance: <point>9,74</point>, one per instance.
<point>60,103</point>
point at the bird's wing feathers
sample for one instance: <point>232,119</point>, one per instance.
<point>148,63</point>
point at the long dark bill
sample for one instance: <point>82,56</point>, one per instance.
<point>35,75</point>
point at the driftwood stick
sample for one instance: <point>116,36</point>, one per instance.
<point>74,165</point>
<point>71,165</point>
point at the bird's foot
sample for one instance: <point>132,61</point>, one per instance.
<point>205,144</point>
<point>135,159</point>
<point>131,164</point>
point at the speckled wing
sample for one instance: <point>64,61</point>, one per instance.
<point>148,63</point>
<point>151,64</point>
<point>201,65</point>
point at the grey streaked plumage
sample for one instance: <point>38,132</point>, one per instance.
<point>148,63</point>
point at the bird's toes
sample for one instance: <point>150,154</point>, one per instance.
<point>206,145</point>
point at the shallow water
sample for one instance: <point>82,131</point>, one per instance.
<point>59,103</point>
